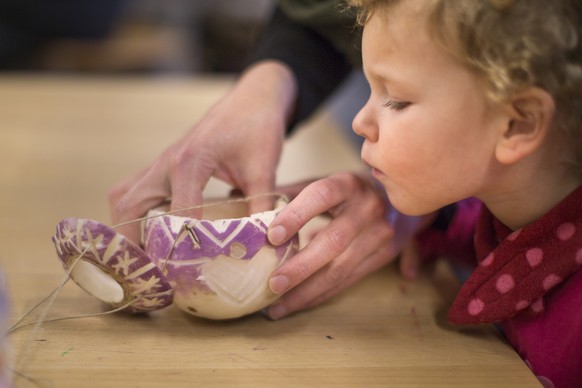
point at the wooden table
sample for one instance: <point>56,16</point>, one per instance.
<point>64,141</point>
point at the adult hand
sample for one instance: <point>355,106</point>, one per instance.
<point>238,141</point>
<point>363,235</point>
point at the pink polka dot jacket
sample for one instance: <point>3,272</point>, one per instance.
<point>528,281</point>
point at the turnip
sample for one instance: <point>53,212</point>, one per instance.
<point>111,267</point>
<point>216,267</point>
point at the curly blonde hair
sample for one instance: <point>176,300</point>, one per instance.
<point>513,45</point>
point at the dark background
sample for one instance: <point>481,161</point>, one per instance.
<point>129,36</point>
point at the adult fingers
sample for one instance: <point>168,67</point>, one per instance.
<point>328,244</point>
<point>309,295</point>
<point>190,169</point>
<point>260,190</point>
<point>340,244</point>
<point>129,204</point>
<point>315,199</point>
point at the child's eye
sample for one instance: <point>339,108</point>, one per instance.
<point>396,105</point>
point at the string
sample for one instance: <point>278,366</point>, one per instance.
<point>167,258</point>
<point>51,297</point>
<point>226,202</point>
<point>120,308</point>
<point>24,376</point>
<point>15,327</point>
<point>55,292</point>
<point>42,319</point>
<point>189,228</point>
<point>37,325</point>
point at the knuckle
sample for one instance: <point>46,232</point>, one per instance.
<point>351,180</point>
<point>337,241</point>
<point>115,193</point>
<point>336,274</point>
<point>324,192</point>
<point>345,176</point>
<point>303,268</point>
<point>294,215</point>
<point>181,158</point>
<point>326,195</point>
<point>121,206</point>
<point>374,211</point>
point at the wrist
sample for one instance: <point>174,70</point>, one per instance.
<point>272,83</point>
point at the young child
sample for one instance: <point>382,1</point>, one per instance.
<point>483,99</point>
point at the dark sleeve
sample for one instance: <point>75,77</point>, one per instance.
<point>27,24</point>
<point>451,234</point>
<point>315,59</point>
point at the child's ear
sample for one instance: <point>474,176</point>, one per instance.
<point>530,115</point>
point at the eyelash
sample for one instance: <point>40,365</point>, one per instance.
<point>396,105</point>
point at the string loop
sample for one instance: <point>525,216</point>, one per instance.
<point>51,297</point>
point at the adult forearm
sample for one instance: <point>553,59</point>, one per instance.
<point>271,82</point>
<point>316,63</point>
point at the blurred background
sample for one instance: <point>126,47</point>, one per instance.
<point>129,36</point>
<point>147,37</point>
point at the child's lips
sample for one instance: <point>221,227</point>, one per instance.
<point>377,173</point>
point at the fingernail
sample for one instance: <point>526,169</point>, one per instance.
<point>279,284</point>
<point>277,311</point>
<point>277,235</point>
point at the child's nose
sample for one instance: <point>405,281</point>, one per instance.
<point>365,125</point>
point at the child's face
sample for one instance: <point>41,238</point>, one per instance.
<point>429,131</point>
